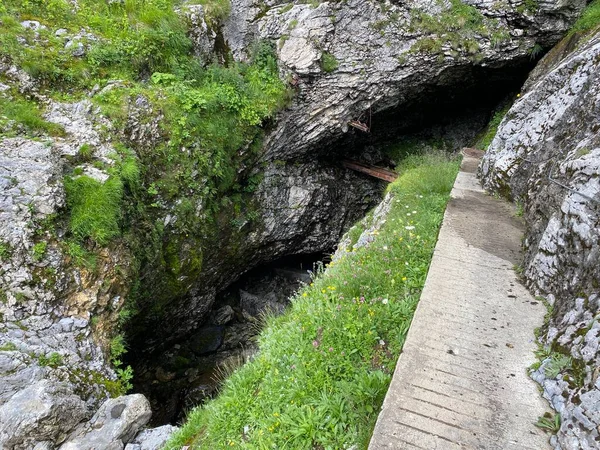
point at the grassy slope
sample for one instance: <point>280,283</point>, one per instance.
<point>325,365</point>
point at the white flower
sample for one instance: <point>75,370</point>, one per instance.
<point>408,214</point>
<point>381,342</point>
<point>410,227</point>
<point>384,301</point>
<point>385,247</point>
<point>414,212</point>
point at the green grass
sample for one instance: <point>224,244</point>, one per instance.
<point>461,27</point>
<point>589,20</point>
<point>95,208</point>
<point>325,365</point>
<point>492,128</point>
<point>28,115</point>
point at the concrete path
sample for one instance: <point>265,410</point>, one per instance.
<point>461,380</point>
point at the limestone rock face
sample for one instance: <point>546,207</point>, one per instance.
<point>347,58</point>
<point>546,155</point>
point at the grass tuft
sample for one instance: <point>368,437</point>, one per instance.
<point>492,128</point>
<point>589,20</point>
<point>325,365</point>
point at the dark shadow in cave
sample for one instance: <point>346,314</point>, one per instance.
<point>188,372</point>
<point>454,110</point>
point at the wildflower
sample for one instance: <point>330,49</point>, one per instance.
<point>408,214</point>
<point>362,299</point>
<point>385,247</point>
<point>385,301</point>
<point>409,227</point>
<point>404,278</point>
<point>315,343</point>
<point>330,349</point>
<point>304,294</point>
<point>414,212</point>
<point>381,342</point>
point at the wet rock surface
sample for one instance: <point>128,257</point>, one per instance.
<point>546,156</point>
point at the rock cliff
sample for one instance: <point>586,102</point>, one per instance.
<point>171,236</point>
<point>546,156</point>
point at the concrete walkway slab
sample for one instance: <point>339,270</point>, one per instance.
<point>461,381</point>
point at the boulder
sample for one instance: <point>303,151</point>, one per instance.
<point>116,423</point>
<point>152,438</point>
<point>44,411</point>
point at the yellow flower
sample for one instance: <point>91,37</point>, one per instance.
<point>304,294</point>
<point>403,278</point>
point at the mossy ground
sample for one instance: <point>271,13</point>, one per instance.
<point>324,366</point>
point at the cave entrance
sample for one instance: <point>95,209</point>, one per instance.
<point>189,372</point>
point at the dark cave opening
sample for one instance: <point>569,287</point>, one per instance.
<point>190,370</point>
<point>448,114</point>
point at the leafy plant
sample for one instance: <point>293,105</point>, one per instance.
<point>549,422</point>
<point>557,363</point>
<point>53,360</point>
<point>38,251</point>
<point>5,251</point>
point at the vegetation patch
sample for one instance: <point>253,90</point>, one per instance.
<point>328,62</point>
<point>492,128</point>
<point>589,20</point>
<point>16,111</point>
<point>458,27</point>
<point>325,365</point>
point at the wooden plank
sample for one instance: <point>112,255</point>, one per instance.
<point>374,171</point>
